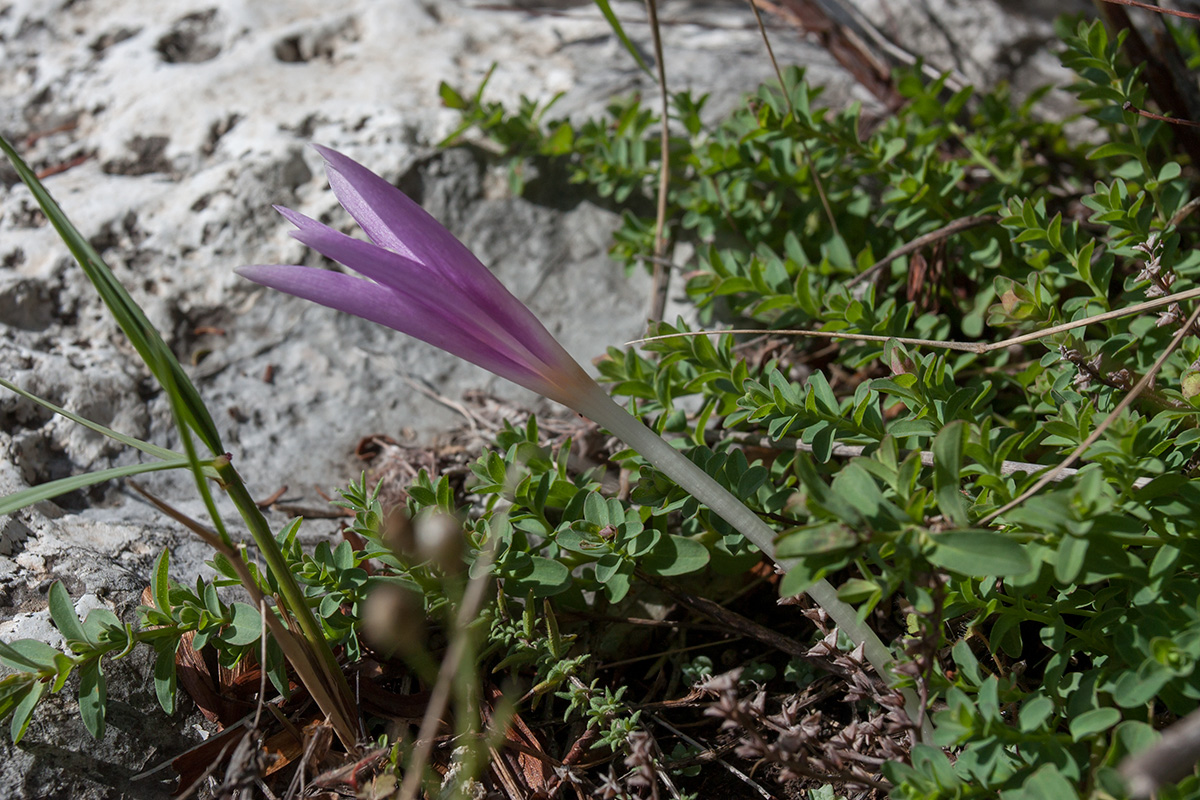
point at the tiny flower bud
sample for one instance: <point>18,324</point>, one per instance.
<point>397,532</point>
<point>393,619</point>
<point>439,539</point>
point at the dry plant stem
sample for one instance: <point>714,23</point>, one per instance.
<point>957,226</point>
<point>1125,403</point>
<point>297,654</point>
<point>1141,112</point>
<point>812,168</point>
<point>601,408</point>
<point>1184,212</point>
<point>1170,760</point>
<point>965,347</point>
<point>1154,8</point>
<point>856,450</point>
<point>439,698</point>
<point>662,274</point>
<point>741,776</point>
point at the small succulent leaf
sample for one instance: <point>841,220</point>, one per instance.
<point>978,553</point>
<point>93,695</point>
<point>23,712</point>
<point>62,611</point>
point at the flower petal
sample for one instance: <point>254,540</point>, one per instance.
<point>379,304</point>
<point>481,317</point>
<point>394,221</point>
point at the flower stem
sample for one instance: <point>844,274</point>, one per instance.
<point>334,697</point>
<point>602,409</point>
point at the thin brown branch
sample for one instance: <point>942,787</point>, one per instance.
<point>1125,403</point>
<point>1170,760</point>
<point>965,347</point>
<point>739,624</point>
<point>1141,112</point>
<point>741,776</point>
<point>856,450</point>
<point>1154,8</point>
<point>1183,213</point>
<point>439,698</point>
<point>662,275</point>
<point>957,226</point>
<point>1164,74</point>
<point>812,166</point>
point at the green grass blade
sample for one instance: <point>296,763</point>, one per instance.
<point>46,491</point>
<point>147,448</point>
<point>615,24</point>
<point>144,337</point>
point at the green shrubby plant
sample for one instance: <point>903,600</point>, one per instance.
<point>1049,640</point>
<point>1072,611</point>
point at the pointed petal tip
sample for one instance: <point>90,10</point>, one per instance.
<point>269,274</point>
<point>252,272</point>
<point>323,150</point>
<point>296,218</point>
<point>334,160</point>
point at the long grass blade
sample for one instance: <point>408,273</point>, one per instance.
<point>144,336</point>
<point>146,447</point>
<point>46,491</point>
<point>615,24</point>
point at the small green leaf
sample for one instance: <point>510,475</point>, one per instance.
<point>608,565</point>
<point>450,97</point>
<point>28,655</point>
<point>823,393</point>
<point>595,510</point>
<point>617,586</point>
<point>62,611</point>
<point>100,622</point>
<point>330,605</point>
<point>542,576</point>
<point>165,676</point>
<point>1093,722</point>
<point>246,625</point>
<point>1169,171</point>
<point>977,553</point>
<point>967,663</point>
<point>1068,562</point>
<point>93,694</point>
<point>576,542</point>
<point>23,713</point>
<point>343,557</point>
<point>1111,149</point>
<point>160,584</point>
<point>1047,783</point>
<point>825,538</point>
<point>675,555</point>
<point>1035,712</point>
<point>947,469</point>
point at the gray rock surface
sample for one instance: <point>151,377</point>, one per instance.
<point>168,130</point>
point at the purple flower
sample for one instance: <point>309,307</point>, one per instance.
<point>422,281</point>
